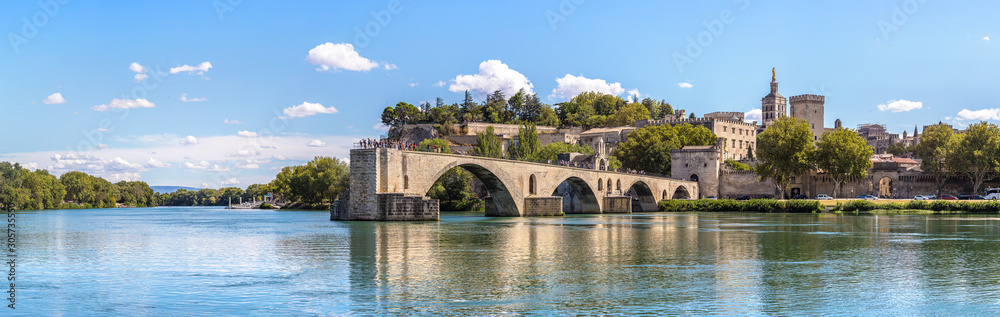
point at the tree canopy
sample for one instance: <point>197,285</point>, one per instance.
<point>843,154</point>
<point>975,153</point>
<point>933,150</point>
<point>784,150</point>
<point>648,148</point>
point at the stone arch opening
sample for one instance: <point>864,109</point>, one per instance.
<point>618,185</point>
<point>664,195</point>
<point>609,186</point>
<point>578,198</point>
<point>600,185</point>
<point>642,197</point>
<point>531,184</point>
<point>406,182</point>
<point>603,165</point>
<point>885,189</point>
<point>495,193</point>
<point>681,193</point>
<point>694,177</point>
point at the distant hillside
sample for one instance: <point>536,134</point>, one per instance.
<point>170,189</point>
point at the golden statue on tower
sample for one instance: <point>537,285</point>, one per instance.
<point>774,75</point>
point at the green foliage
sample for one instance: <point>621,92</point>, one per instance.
<point>784,150</point>
<point>628,115</point>
<point>975,153</point>
<point>25,189</point>
<point>933,149</point>
<point>729,205</point>
<point>319,180</point>
<point>648,149</point>
<point>527,143</point>
<point>454,190</point>
<point>843,154</point>
<point>488,144</point>
<point>737,165</point>
<point>899,148</point>
<point>551,151</point>
<point>428,144</point>
<point>266,206</point>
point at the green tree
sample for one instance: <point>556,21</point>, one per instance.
<point>551,151</point>
<point>975,153</point>
<point>547,117</point>
<point>78,187</point>
<point>738,166</point>
<point>933,150</point>
<point>628,115</point>
<point>648,148</point>
<point>429,144</point>
<point>488,144</point>
<point>843,154</point>
<point>784,150</point>
<point>527,143</point>
<point>454,190</point>
<point>898,148</point>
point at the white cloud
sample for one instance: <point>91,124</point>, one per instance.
<point>308,109</point>
<point>152,162</point>
<point>200,69</point>
<point>124,104</point>
<point>440,83</point>
<point>569,86</point>
<point>184,98</point>
<point>231,181</point>
<point>227,121</point>
<point>316,143</point>
<point>247,166</point>
<point>685,85</point>
<point>101,146</point>
<point>380,126</point>
<point>112,169</point>
<point>390,66</point>
<point>140,71</point>
<point>413,84</point>
<point>900,105</point>
<point>247,134</point>
<point>189,140</point>
<point>54,99</point>
<point>633,93</point>
<point>752,115</point>
<point>243,153</point>
<point>217,168</point>
<point>279,157</point>
<point>981,115</point>
<point>493,75</point>
<point>103,130</point>
<point>331,57</point>
<point>986,38</point>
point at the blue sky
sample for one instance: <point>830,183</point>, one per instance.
<point>224,93</point>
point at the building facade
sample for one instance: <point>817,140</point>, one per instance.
<point>809,108</point>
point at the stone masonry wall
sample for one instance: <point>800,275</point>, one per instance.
<point>617,205</point>
<point>402,207</point>
<point>543,206</point>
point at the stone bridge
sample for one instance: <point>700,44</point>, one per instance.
<point>390,184</point>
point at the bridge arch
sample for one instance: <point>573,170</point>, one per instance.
<point>641,193</point>
<point>500,202</point>
<point>681,192</point>
<point>578,197</point>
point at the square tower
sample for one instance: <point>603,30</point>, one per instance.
<point>809,108</point>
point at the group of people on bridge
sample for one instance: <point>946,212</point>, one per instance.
<point>386,144</point>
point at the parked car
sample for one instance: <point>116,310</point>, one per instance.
<point>948,197</point>
<point>743,197</point>
<point>931,197</point>
<point>977,197</point>
<point>712,198</point>
<point>965,197</point>
<point>920,197</point>
<point>800,196</point>
<point>868,197</point>
<point>823,197</point>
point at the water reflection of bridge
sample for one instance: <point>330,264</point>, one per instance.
<point>389,184</point>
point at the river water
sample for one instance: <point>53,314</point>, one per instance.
<point>212,261</point>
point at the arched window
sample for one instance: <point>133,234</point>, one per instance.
<point>618,185</point>
<point>664,195</point>
<point>609,184</point>
<point>600,184</point>
<point>694,177</point>
<point>531,184</point>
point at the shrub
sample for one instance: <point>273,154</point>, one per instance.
<point>266,206</point>
<point>754,205</point>
<point>858,205</point>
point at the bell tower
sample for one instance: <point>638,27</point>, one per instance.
<point>773,106</point>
